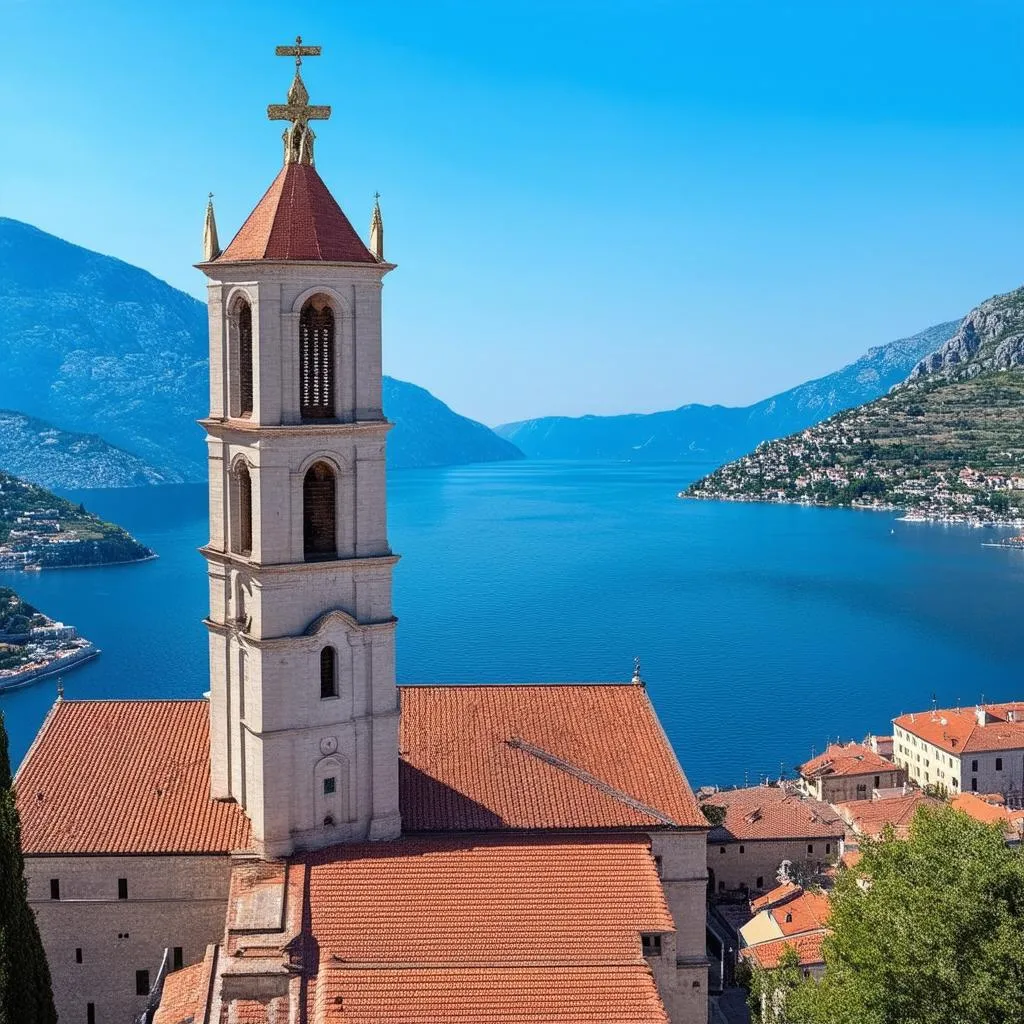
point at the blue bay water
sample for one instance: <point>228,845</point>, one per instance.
<point>763,629</point>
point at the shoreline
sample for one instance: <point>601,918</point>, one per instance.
<point>101,565</point>
<point>57,666</point>
<point>908,515</point>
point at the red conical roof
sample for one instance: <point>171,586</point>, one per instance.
<point>297,219</point>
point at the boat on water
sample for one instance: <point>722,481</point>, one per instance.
<point>31,568</point>
<point>1016,543</point>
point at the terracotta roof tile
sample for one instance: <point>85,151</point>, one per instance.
<point>780,894</point>
<point>772,812</point>
<point>807,912</point>
<point>485,899</point>
<point>846,760</point>
<point>536,757</point>
<point>956,730</point>
<point>990,813</point>
<point>869,817</point>
<point>515,994</point>
<point>186,992</point>
<point>768,954</point>
<point>124,776</point>
<point>297,219</point>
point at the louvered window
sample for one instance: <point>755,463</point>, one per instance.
<point>316,361</point>
<point>243,509</point>
<point>245,372</point>
<point>318,519</point>
<point>328,677</point>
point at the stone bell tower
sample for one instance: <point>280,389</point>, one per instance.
<point>303,702</point>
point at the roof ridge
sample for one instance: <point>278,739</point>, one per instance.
<point>499,686</point>
<point>338,964</point>
<point>584,776</point>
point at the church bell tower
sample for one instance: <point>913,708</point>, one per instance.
<point>303,702</point>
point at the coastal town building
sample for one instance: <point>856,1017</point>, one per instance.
<point>762,827</point>
<point>850,771</point>
<point>991,809</point>
<point>971,750</point>
<point>870,818</point>
<point>787,917</point>
<point>313,842</point>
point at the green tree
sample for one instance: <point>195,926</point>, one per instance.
<point>770,991</point>
<point>25,993</point>
<point>927,930</point>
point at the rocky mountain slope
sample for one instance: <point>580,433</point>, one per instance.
<point>35,450</point>
<point>947,443</point>
<point>93,345</point>
<point>720,432</point>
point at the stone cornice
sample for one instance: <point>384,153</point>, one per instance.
<point>286,568</point>
<point>226,429</point>
<point>382,627</point>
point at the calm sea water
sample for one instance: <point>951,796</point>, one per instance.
<point>763,630</point>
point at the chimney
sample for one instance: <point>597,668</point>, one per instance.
<point>980,715</point>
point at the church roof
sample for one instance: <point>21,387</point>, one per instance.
<point>512,928</point>
<point>124,776</point>
<point>538,757</point>
<point>297,219</point>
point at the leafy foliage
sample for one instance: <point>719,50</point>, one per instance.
<point>927,930</point>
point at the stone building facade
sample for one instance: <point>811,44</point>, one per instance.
<point>849,771</point>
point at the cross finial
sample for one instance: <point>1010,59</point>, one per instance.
<point>60,688</point>
<point>298,138</point>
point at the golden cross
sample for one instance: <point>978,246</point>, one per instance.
<point>298,51</point>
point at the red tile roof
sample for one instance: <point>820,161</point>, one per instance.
<point>297,219</point>
<point>186,992</point>
<point>990,813</point>
<point>806,912</point>
<point>538,757</point>
<point>870,817</point>
<point>485,899</point>
<point>124,776</point>
<point>846,760</point>
<point>772,812</point>
<point>780,894</point>
<point>768,954</point>
<point>956,730</point>
<point>516,994</point>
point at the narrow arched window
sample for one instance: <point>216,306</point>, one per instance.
<point>316,360</point>
<point>328,674</point>
<point>243,510</point>
<point>318,520</point>
<point>245,372</point>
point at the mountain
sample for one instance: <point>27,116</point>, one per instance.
<point>98,347</point>
<point>35,450</point>
<point>947,443</point>
<point>428,433</point>
<point>721,432</point>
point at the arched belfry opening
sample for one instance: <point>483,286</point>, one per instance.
<point>316,359</point>
<point>319,501</point>
<point>243,509</point>
<point>245,369</point>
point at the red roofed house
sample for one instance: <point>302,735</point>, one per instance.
<point>849,771</point>
<point>968,750</point>
<point>313,843</point>
<point>788,917</point>
<point>764,826</point>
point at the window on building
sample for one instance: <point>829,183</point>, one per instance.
<point>974,785</point>
<point>828,848</point>
<point>760,881</point>
<point>743,849</point>
<point>90,1013</point>
<point>810,847</point>
<point>78,955</point>
<point>54,888</point>
<point>721,849</point>
<point>862,788</point>
<point>330,784</point>
<point>177,958</point>
<point>316,360</point>
<point>789,917</point>
<point>999,764</point>
<point>651,944</point>
<point>878,781</point>
<point>318,513</point>
<point>122,888</point>
<point>243,509</point>
<point>974,766</point>
<point>328,674</point>
<point>955,783</point>
<point>142,983</point>
<point>245,368</point>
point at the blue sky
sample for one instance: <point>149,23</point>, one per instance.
<point>595,206</point>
